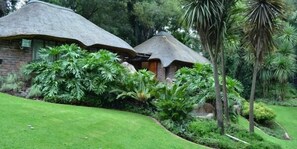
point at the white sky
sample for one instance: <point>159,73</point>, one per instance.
<point>20,4</point>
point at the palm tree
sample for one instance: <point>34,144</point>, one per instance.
<point>226,25</point>
<point>208,18</point>
<point>261,24</point>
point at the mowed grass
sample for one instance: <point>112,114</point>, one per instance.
<point>28,124</point>
<point>287,118</point>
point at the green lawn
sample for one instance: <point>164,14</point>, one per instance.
<point>29,124</point>
<point>286,116</point>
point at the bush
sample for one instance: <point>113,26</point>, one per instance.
<point>172,102</point>
<point>199,84</point>
<point>138,86</point>
<point>264,145</point>
<point>262,113</point>
<point>218,141</point>
<point>202,127</point>
<point>68,74</point>
<point>12,83</point>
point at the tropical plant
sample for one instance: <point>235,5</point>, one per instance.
<point>11,83</point>
<point>205,17</point>
<point>199,84</point>
<point>280,66</point>
<point>138,86</point>
<point>70,74</point>
<point>172,102</point>
<point>210,19</point>
<point>261,25</point>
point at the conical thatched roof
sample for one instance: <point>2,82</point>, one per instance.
<point>166,48</point>
<point>44,20</point>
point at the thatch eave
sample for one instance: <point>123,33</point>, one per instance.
<point>51,22</point>
<point>68,40</point>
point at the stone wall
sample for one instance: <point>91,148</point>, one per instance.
<point>12,57</point>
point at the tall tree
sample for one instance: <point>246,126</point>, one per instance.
<point>225,23</point>
<point>205,17</point>
<point>261,24</point>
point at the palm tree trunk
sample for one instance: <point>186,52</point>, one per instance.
<point>225,99</point>
<point>252,96</point>
<point>219,108</point>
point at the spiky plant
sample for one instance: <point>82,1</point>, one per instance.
<point>261,25</point>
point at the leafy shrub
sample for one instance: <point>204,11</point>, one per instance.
<point>11,83</point>
<point>199,83</point>
<point>243,134</point>
<point>138,85</point>
<point>217,141</point>
<point>264,145</point>
<point>69,74</point>
<point>202,127</point>
<point>172,102</point>
<point>206,132</point>
<point>34,92</point>
<point>262,113</point>
<point>176,128</point>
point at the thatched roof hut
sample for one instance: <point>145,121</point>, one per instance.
<point>167,54</point>
<point>43,20</point>
<point>167,49</point>
<point>38,25</point>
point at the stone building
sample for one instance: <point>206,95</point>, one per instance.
<point>39,24</point>
<point>164,55</point>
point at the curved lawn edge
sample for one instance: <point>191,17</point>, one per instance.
<point>285,116</point>
<point>67,126</point>
<point>157,122</point>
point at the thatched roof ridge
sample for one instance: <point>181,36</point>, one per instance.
<point>167,49</point>
<point>44,20</point>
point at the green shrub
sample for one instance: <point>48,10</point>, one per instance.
<point>202,127</point>
<point>76,76</point>
<point>218,141</point>
<point>34,92</point>
<point>11,83</point>
<point>264,145</point>
<point>262,113</point>
<point>138,86</point>
<point>172,102</point>
<point>199,84</point>
<point>243,134</point>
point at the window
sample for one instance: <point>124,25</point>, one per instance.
<point>39,44</point>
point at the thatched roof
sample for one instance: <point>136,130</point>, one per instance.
<point>44,20</point>
<point>166,48</point>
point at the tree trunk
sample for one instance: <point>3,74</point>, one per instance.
<point>219,108</point>
<point>252,96</point>
<point>225,97</point>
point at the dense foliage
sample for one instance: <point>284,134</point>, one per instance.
<point>11,83</point>
<point>206,132</point>
<point>199,84</point>
<point>262,113</point>
<point>173,102</point>
<point>69,74</point>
